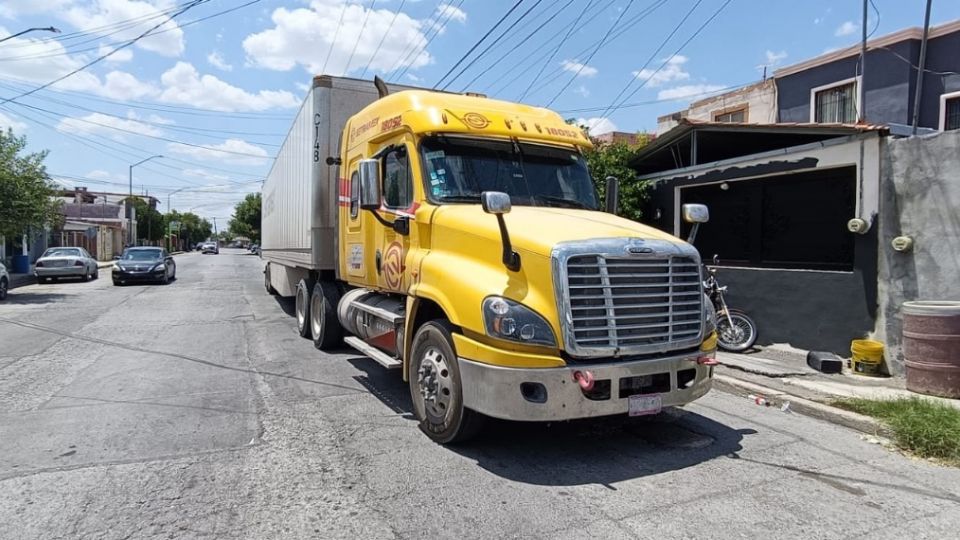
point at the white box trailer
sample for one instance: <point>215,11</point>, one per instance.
<point>299,196</point>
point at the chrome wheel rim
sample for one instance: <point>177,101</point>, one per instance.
<point>315,310</point>
<point>737,333</point>
<point>301,308</point>
<point>435,384</point>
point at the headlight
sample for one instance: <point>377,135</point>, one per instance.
<point>158,268</point>
<point>709,316</point>
<point>506,319</point>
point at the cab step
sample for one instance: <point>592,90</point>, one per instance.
<point>376,354</point>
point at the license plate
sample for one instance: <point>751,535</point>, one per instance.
<point>643,405</point>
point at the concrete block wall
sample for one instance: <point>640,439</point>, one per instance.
<point>920,198</point>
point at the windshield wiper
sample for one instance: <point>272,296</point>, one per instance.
<point>568,203</point>
<point>459,198</point>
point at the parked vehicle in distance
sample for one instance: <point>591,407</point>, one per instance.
<point>4,282</point>
<point>144,264</point>
<point>61,262</point>
<point>210,247</point>
<point>255,249</point>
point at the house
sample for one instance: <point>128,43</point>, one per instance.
<point>754,103</point>
<point>827,88</point>
<point>629,138</point>
<point>98,228</point>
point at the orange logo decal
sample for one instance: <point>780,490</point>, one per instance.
<point>475,120</point>
<point>393,265</point>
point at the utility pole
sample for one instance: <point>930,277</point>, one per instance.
<point>922,68</point>
<point>47,29</point>
<point>131,240</point>
<point>861,87</point>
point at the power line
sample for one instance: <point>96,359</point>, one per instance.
<point>477,44</point>
<point>383,38</point>
<point>102,57</point>
<point>366,16</point>
<point>431,33</point>
<point>680,48</point>
<point>493,43</point>
<point>592,54</point>
<point>656,101</point>
<point>334,40</point>
<point>557,48</point>
<point>652,56</point>
<point>95,29</point>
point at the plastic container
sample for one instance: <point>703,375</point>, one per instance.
<point>20,264</point>
<point>931,347</point>
<point>866,357</point>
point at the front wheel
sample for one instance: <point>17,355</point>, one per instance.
<point>739,336</point>
<point>435,386</point>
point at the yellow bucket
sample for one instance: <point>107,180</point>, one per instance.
<point>866,357</point>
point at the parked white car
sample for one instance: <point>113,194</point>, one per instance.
<point>60,262</point>
<point>4,282</point>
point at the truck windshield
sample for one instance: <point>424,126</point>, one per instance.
<point>458,170</point>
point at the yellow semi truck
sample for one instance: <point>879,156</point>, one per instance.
<point>460,240</point>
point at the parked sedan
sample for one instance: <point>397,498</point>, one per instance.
<point>4,282</point>
<point>138,264</point>
<point>60,262</point>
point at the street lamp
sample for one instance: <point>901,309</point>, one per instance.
<point>131,239</point>
<point>47,29</point>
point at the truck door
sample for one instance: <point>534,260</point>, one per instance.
<point>351,220</point>
<point>398,204</point>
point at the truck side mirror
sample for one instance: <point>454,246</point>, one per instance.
<point>613,194</point>
<point>495,202</point>
<point>498,203</point>
<point>695,214</point>
<point>370,184</point>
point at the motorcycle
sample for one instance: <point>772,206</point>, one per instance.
<point>736,331</point>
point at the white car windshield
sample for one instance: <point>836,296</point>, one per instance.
<point>62,252</point>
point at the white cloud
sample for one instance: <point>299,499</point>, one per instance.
<point>210,153</point>
<point>818,20</point>
<point>183,84</point>
<point>167,40</point>
<point>206,175</point>
<point>304,37</point>
<point>303,87</point>
<point>99,174</point>
<point>670,72</point>
<point>123,55</point>
<point>97,123</point>
<point>216,60</point>
<point>9,122</point>
<point>413,77</point>
<point>582,91</point>
<point>442,16</point>
<point>123,86</point>
<point>773,59</point>
<point>688,90</point>
<point>597,125</point>
<point>847,28</point>
<point>582,70</point>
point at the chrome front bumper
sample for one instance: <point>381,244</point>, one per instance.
<point>60,271</point>
<point>496,391</point>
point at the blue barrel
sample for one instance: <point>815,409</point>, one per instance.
<point>21,264</point>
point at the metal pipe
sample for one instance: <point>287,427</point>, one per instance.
<point>922,66</point>
<point>861,88</point>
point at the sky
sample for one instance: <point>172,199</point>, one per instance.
<point>214,85</point>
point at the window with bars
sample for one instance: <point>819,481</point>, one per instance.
<point>836,105</point>
<point>736,116</point>
<point>951,119</point>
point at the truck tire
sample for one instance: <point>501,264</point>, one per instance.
<point>324,325</point>
<point>435,387</point>
<point>266,281</point>
<point>303,307</point>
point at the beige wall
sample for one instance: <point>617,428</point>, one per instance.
<point>760,100</point>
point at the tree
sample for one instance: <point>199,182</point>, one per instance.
<point>193,228</point>
<point>150,223</point>
<point>246,218</point>
<point>611,159</point>
<point>25,189</point>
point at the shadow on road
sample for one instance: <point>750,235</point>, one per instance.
<point>31,298</point>
<point>590,451</point>
<point>288,305</point>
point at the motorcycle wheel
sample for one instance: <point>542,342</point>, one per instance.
<point>739,337</point>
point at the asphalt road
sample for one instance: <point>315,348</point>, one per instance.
<point>193,410</point>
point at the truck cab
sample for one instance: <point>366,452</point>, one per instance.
<point>474,255</point>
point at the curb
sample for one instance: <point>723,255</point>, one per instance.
<point>806,407</point>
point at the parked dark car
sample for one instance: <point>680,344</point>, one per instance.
<point>139,264</point>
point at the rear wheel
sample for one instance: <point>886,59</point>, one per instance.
<point>86,275</point>
<point>303,308</point>
<point>324,324</point>
<point>266,281</point>
<point>96,273</point>
<point>435,386</point>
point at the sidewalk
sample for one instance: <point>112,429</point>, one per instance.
<point>781,376</point>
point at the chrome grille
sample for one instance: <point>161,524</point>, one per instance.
<point>632,305</point>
